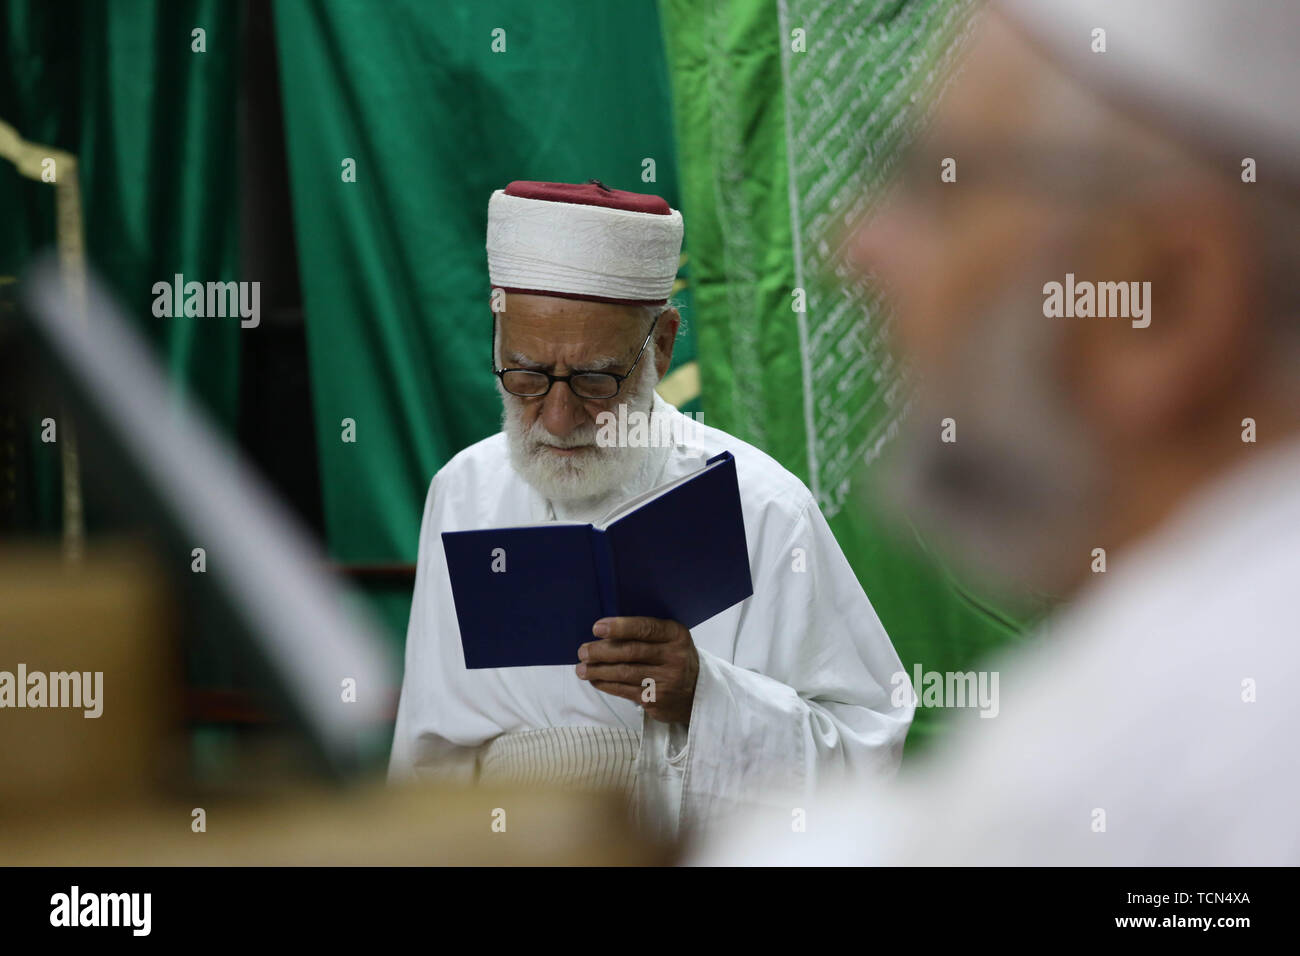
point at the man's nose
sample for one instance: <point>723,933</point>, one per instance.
<point>562,411</point>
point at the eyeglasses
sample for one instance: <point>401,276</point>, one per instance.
<point>532,383</point>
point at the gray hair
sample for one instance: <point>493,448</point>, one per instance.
<point>653,312</point>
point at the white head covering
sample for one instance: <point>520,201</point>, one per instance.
<point>1224,73</point>
<point>583,241</point>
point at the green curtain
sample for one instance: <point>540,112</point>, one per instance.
<point>790,114</point>
<point>437,105</point>
<point>152,124</point>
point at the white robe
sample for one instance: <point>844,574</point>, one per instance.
<point>794,687</point>
<point>1154,722</point>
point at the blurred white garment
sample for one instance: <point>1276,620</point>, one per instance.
<point>1162,706</point>
<point>794,685</point>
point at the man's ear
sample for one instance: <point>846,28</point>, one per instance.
<point>1147,382</point>
<point>665,339</point>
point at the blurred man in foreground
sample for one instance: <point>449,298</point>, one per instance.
<point>1133,448</point>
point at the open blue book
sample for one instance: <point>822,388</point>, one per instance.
<point>527,596</point>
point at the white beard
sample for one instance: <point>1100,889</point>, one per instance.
<point>585,480</point>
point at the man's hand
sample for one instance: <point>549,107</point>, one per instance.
<point>634,648</point>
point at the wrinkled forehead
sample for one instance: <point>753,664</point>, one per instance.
<point>548,330</point>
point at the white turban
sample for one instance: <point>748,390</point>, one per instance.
<point>583,241</point>
<point>1222,72</point>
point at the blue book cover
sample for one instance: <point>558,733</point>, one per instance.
<point>528,596</point>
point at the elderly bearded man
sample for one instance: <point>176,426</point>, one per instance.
<point>756,705</point>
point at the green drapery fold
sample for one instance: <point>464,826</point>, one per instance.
<point>152,122</point>
<point>789,116</point>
